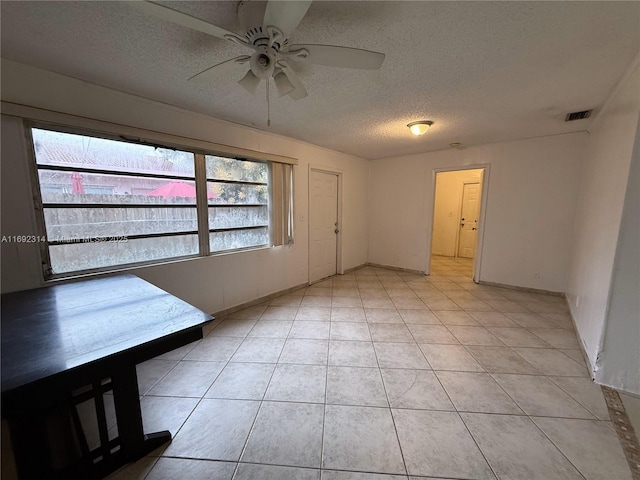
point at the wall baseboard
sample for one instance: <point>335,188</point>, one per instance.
<point>396,269</point>
<point>258,301</point>
<point>266,298</point>
<point>523,289</point>
<point>580,342</point>
<point>353,269</point>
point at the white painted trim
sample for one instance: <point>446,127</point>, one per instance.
<point>430,208</point>
<point>338,173</point>
<point>486,168</point>
<point>477,266</point>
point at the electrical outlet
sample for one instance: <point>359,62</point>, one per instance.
<point>536,275</point>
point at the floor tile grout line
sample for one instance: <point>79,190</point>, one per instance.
<point>559,349</point>
<point>588,409</point>
<point>464,423</point>
<point>324,407</point>
<point>507,393</point>
<point>522,412</point>
<point>161,377</point>
<point>467,429</point>
<point>384,386</point>
<point>466,346</point>
<point>164,447</point>
<point>513,351</point>
<point>203,396</point>
<point>262,400</point>
<point>406,408</point>
<point>326,386</point>
<point>153,465</point>
<point>552,348</point>
<point>495,474</point>
<point>217,376</point>
<point>530,417</point>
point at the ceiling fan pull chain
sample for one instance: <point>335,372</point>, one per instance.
<point>268,105</point>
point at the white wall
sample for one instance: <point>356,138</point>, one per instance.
<point>532,191</point>
<point>620,355</point>
<point>446,212</point>
<point>212,283</point>
<point>606,165</point>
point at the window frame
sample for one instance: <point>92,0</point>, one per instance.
<point>201,205</point>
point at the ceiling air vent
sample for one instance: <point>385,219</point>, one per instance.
<point>578,115</point>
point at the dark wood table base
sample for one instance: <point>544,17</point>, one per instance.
<point>69,344</point>
<point>50,443</point>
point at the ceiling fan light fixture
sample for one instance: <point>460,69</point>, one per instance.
<point>420,127</point>
<point>250,82</point>
<point>283,84</point>
<point>263,62</point>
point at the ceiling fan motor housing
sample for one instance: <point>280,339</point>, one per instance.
<point>250,16</point>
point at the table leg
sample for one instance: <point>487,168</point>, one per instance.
<point>48,444</point>
<point>30,446</point>
<point>134,443</point>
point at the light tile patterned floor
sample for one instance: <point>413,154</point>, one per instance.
<point>382,375</point>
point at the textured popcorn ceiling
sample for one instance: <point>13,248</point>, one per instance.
<point>482,71</point>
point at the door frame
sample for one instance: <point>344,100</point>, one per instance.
<point>337,173</point>
<point>431,205</point>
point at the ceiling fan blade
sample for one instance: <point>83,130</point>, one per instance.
<point>299,91</point>
<point>179,18</point>
<point>214,72</point>
<point>286,15</point>
<point>334,56</point>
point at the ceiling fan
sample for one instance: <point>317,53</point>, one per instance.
<point>266,28</point>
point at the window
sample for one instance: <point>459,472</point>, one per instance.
<point>238,207</point>
<point>108,203</point>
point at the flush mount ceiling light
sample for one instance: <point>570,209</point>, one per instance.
<point>420,127</point>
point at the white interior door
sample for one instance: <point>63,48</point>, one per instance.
<point>469,220</point>
<point>323,225</point>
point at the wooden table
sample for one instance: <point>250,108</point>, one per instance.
<point>65,344</point>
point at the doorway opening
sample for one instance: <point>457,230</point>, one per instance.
<point>457,220</point>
